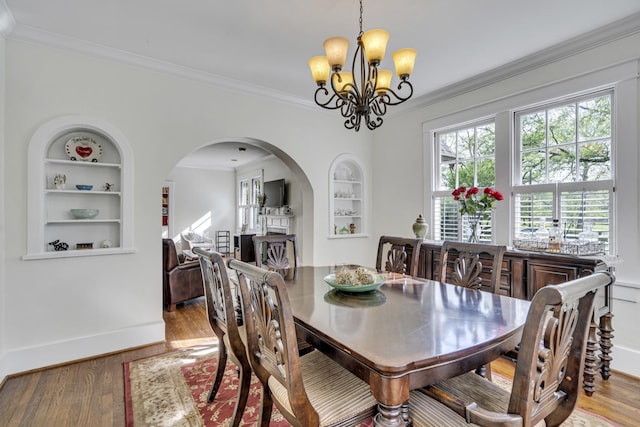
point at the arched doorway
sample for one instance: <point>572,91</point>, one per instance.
<point>304,211</point>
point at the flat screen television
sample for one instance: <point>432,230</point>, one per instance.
<point>275,194</point>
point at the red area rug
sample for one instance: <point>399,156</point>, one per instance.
<point>172,389</point>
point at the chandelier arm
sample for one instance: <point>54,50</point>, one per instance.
<point>379,105</point>
<point>348,107</point>
<point>374,125</point>
<point>397,98</point>
<point>333,103</point>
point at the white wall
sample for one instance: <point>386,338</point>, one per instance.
<point>57,310</point>
<point>400,143</point>
<point>203,200</point>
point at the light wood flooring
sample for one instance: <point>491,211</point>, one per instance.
<point>91,392</point>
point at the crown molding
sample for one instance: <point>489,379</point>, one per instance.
<point>609,33</point>
<point>36,35</point>
<point>7,22</point>
<point>617,30</point>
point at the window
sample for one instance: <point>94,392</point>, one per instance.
<point>464,156</point>
<point>564,166</point>
<point>249,188</point>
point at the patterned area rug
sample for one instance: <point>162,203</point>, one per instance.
<point>171,390</point>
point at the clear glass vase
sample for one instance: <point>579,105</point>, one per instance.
<point>473,228</point>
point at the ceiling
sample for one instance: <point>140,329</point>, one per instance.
<point>263,46</point>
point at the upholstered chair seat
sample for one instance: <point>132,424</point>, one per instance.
<point>335,393</point>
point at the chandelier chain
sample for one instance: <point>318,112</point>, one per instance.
<point>361,32</point>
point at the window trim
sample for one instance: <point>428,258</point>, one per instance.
<point>248,176</point>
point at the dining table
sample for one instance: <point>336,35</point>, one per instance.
<point>406,334</point>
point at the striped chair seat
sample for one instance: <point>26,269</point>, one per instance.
<point>335,393</point>
<point>470,387</point>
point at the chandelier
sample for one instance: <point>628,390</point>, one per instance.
<point>368,94</point>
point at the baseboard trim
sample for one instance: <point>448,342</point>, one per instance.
<point>33,358</point>
<point>625,360</point>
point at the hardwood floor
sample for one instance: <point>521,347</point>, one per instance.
<point>91,392</point>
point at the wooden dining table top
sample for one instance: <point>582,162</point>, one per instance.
<point>409,333</point>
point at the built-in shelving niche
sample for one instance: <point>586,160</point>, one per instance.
<point>346,198</point>
<point>108,169</point>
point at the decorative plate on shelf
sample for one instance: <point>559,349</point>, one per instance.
<point>379,279</point>
<point>83,148</point>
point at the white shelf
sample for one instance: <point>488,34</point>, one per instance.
<point>79,253</point>
<point>347,236</point>
<point>82,163</point>
<point>82,221</point>
<point>82,192</point>
<point>345,181</point>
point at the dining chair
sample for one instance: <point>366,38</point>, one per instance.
<point>277,252</point>
<point>401,255</point>
<point>227,325</point>
<point>461,264</point>
<point>468,271</point>
<point>548,372</point>
<point>309,390</point>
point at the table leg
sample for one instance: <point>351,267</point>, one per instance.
<point>392,395</point>
<point>405,415</point>
<point>390,416</point>
<point>606,335</point>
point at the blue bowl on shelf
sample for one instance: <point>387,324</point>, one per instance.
<point>84,213</point>
<point>84,187</point>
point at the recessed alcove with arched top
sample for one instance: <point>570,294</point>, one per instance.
<point>346,198</point>
<point>80,151</point>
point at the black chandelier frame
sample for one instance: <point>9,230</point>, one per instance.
<point>365,100</point>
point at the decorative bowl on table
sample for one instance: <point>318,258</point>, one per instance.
<point>84,213</point>
<point>84,187</point>
<point>355,281</point>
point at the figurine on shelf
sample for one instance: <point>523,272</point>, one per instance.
<point>59,246</point>
<point>59,180</point>
<point>352,228</point>
<point>107,186</point>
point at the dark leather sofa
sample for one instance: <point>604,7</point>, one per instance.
<point>181,281</point>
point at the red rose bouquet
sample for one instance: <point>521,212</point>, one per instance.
<point>476,205</point>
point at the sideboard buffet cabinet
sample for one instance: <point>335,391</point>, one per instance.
<point>525,272</point>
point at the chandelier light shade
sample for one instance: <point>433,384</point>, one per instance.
<point>364,92</point>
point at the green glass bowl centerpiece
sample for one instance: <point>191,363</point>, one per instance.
<point>355,281</point>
